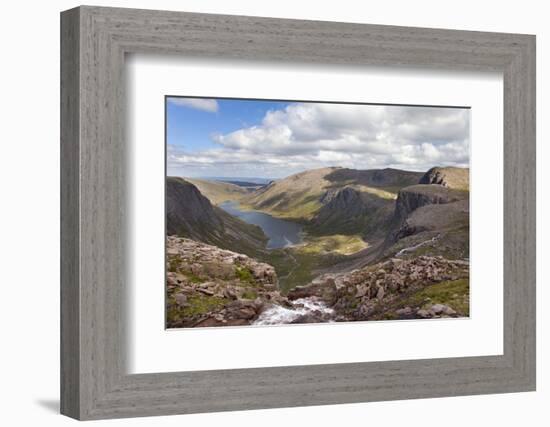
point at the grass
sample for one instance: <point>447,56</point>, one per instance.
<point>338,243</point>
<point>193,278</point>
<point>293,268</point>
<point>298,212</point>
<point>202,304</point>
<point>174,266</point>
<point>380,192</point>
<point>244,275</point>
<point>393,189</point>
<point>302,273</point>
<point>304,211</point>
<point>298,268</point>
<point>218,192</point>
<point>197,305</point>
<point>250,294</point>
<point>174,262</point>
<point>454,293</point>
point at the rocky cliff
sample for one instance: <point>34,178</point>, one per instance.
<point>429,219</point>
<point>422,287</point>
<point>190,214</point>
<point>351,211</point>
<point>378,178</point>
<point>452,177</point>
<point>411,198</point>
<point>209,286</point>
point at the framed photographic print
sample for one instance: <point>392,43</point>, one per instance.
<point>321,212</point>
<point>304,212</point>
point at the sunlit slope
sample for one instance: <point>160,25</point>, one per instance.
<point>218,192</point>
<point>301,196</point>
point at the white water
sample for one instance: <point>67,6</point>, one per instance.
<point>413,248</point>
<point>277,315</point>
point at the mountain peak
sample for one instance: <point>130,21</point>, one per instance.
<point>450,176</point>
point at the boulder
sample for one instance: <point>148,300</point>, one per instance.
<point>361,291</point>
<point>404,311</point>
<point>438,308</point>
<point>449,311</point>
<point>181,300</point>
<point>423,314</point>
<point>380,293</point>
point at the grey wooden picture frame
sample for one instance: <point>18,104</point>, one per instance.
<point>94,42</point>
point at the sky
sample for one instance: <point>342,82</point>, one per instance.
<point>238,138</point>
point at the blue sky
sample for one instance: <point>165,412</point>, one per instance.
<point>210,137</point>
<point>191,128</point>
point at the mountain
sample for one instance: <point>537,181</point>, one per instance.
<point>351,211</point>
<point>377,244</point>
<point>430,219</point>
<point>218,192</point>
<point>295,197</point>
<point>314,196</point>
<point>388,179</point>
<point>239,180</point>
<point>190,214</point>
<point>416,196</point>
<point>452,177</point>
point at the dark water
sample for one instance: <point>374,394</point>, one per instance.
<point>280,232</point>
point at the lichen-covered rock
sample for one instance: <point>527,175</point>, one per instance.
<point>209,286</point>
<point>370,292</point>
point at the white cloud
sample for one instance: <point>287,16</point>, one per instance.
<point>309,135</point>
<point>204,104</point>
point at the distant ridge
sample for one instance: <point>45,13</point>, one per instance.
<point>217,191</point>
<point>242,179</point>
<point>246,184</point>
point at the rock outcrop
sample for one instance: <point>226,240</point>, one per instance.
<point>452,177</point>
<point>427,211</point>
<point>435,218</point>
<point>416,196</point>
<point>382,290</point>
<point>209,286</point>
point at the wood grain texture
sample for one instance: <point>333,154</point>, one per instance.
<point>70,259</point>
<point>94,234</point>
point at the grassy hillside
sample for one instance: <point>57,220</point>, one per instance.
<point>218,192</point>
<point>295,197</point>
<point>301,196</point>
